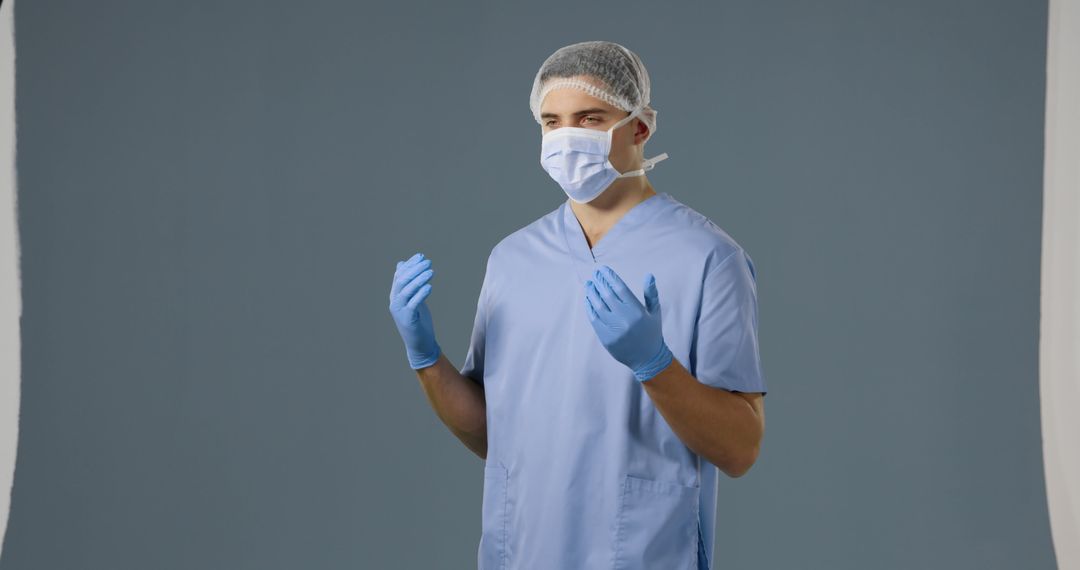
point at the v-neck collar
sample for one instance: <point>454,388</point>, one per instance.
<point>575,235</point>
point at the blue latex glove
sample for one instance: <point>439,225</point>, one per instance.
<point>411,313</point>
<point>630,331</point>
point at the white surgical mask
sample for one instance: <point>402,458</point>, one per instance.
<point>577,158</point>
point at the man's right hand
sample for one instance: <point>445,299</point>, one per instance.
<point>410,312</point>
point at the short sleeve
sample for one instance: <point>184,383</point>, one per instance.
<point>726,343</point>
<point>474,357</point>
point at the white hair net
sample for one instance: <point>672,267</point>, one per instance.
<point>619,77</point>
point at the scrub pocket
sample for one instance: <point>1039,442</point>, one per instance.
<point>492,554</point>
<point>656,525</point>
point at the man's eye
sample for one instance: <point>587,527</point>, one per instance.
<point>548,123</point>
<point>594,119</point>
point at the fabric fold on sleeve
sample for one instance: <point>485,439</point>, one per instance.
<point>726,343</point>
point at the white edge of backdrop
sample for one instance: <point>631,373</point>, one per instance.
<point>10,286</point>
<point>1059,324</point>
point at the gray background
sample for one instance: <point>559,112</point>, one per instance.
<point>213,196</point>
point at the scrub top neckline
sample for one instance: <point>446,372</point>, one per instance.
<point>575,235</point>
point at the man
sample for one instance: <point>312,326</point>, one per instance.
<point>603,416</point>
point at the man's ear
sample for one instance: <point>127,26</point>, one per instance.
<point>641,128</point>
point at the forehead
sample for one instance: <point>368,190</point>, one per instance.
<point>570,100</point>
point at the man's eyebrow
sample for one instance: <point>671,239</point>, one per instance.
<point>592,111</point>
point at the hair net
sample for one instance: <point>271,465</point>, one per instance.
<point>619,77</point>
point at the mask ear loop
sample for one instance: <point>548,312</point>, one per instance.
<point>647,164</point>
<point>624,120</point>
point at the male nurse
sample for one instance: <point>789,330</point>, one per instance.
<point>613,369</point>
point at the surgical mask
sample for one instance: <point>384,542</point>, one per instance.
<point>577,158</point>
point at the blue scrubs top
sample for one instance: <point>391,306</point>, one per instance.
<point>582,471</point>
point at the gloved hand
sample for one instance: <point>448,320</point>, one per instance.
<point>630,331</point>
<point>411,313</point>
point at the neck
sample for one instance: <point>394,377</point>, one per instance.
<point>599,215</point>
